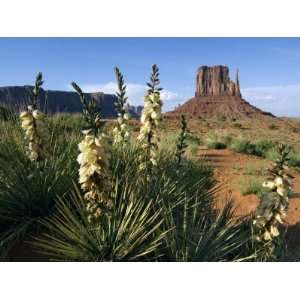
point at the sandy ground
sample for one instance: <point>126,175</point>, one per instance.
<point>229,168</point>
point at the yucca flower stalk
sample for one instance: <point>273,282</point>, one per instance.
<point>181,144</point>
<point>93,160</point>
<point>32,122</point>
<point>121,131</point>
<point>150,119</point>
<point>274,203</point>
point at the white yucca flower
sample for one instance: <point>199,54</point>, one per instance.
<point>275,202</point>
<point>150,119</point>
<point>94,165</point>
<point>32,122</point>
<point>121,131</point>
<point>93,160</point>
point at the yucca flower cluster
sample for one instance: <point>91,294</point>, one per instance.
<point>274,203</point>
<point>121,131</point>
<point>33,123</point>
<point>150,119</point>
<point>94,164</point>
<point>93,161</point>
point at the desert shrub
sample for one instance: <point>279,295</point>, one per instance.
<point>237,125</point>
<point>242,146</point>
<point>295,160</point>
<point>222,118</point>
<point>272,126</point>
<point>263,146</point>
<point>252,187</point>
<point>216,145</point>
<point>218,140</point>
<point>28,190</point>
<point>295,130</point>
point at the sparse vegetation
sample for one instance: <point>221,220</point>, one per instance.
<point>251,187</point>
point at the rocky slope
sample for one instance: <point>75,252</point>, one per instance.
<point>216,95</point>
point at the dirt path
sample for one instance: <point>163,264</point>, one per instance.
<point>230,167</point>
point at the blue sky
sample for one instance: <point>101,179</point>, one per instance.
<point>269,67</point>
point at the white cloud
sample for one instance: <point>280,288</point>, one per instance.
<point>135,93</point>
<point>279,100</point>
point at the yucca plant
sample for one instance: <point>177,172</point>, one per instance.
<point>93,159</point>
<point>206,235</point>
<point>273,206</point>
<point>156,220</point>
<point>31,180</point>
<point>33,124</point>
<point>28,193</point>
<point>150,119</point>
<point>128,233</point>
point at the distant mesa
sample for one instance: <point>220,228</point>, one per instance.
<point>216,95</point>
<point>16,97</point>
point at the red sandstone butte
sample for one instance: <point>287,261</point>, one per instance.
<point>217,96</point>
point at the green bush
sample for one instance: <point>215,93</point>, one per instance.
<point>216,145</point>
<point>272,126</point>
<point>262,148</point>
<point>237,125</point>
<point>243,146</point>
<point>218,141</point>
<point>252,187</point>
<point>295,160</point>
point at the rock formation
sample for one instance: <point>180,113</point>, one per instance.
<point>16,97</point>
<point>216,95</point>
<point>215,81</point>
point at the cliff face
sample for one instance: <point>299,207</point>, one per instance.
<point>16,97</point>
<point>216,95</point>
<point>215,81</point>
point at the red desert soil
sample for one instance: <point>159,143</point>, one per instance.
<point>228,169</point>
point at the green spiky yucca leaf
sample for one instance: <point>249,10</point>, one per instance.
<point>207,236</point>
<point>28,191</point>
<point>129,233</point>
